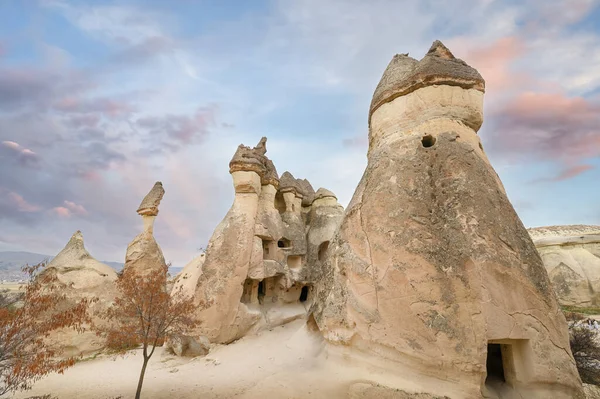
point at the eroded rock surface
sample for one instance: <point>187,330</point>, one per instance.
<point>431,267</point>
<point>82,276</point>
<point>571,255</point>
<point>261,260</point>
<point>144,253</point>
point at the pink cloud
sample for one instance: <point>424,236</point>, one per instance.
<point>572,172</point>
<point>92,175</point>
<point>18,148</point>
<point>182,129</point>
<point>494,61</point>
<point>106,106</point>
<point>550,127</point>
<point>566,174</point>
<point>21,204</point>
<point>75,208</point>
<point>62,212</point>
<point>25,156</point>
<point>68,209</point>
<point>12,145</point>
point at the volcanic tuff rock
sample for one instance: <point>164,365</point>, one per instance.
<point>571,255</point>
<point>259,269</point>
<point>144,253</point>
<point>431,266</point>
<point>151,201</point>
<point>186,280</point>
<point>82,276</point>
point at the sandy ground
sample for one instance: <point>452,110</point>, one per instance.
<point>266,365</point>
<point>287,362</point>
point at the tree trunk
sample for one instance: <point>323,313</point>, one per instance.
<point>141,381</point>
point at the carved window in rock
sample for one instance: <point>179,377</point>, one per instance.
<point>294,262</point>
<point>279,202</point>
<point>284,243</point>
<point>268,249</point>
<point>323,251</point>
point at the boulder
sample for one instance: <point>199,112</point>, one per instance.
<point>182,345</point>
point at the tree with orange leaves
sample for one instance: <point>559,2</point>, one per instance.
<point>26,355</point>
<point>145,314</point>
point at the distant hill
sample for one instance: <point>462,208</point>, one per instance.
<point>11,263</point>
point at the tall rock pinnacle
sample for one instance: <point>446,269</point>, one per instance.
<point>144,253</point>
<point>150,203</point>
<point>431,267</point>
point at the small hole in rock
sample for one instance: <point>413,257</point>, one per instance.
<point>428,141</point>
<point>480,147</point>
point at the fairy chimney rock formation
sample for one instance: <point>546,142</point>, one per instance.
<point>571,255</point>
<point>82,276</point>
<point>431,268</point>
<point>256,272</point>
<point>76,267</point>
<point>144,253</point>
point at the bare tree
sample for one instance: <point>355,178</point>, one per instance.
<point>25,352</point>
<point>145,314</point>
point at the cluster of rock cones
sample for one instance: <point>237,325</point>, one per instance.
<point>429,269</point>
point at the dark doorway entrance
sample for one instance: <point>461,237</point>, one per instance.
<point>304,294</point>
<point>494,364</point>
<point>261,291</point>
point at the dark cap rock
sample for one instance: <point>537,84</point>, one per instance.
<point>150,203</point>
<point>404,75</point>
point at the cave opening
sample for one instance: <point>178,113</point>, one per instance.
<point>494,363</point>
<point>304,294</point>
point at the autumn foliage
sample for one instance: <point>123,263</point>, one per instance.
<point>26,353</point>
<point>145,314</point>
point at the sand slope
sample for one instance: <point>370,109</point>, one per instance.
<point>287,362</point>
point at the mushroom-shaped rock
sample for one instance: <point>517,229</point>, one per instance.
<point>144,253</point>
<point>439,67</point>
<point>324,193</point>
<point>431,266</point>
<point>150,203</point>
<point>250,159</point>
<point>307,190</point>
<point>270,176</point>
<point>288,183</point>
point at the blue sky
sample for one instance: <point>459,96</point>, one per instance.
<point>100,99</point>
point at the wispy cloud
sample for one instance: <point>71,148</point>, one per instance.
<point>132,93</point>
